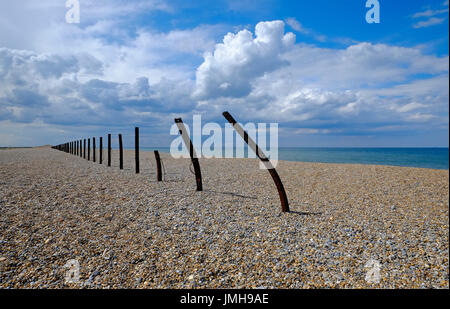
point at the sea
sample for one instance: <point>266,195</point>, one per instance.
<point>434,158</point>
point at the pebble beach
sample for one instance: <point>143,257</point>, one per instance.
<point>127,230</point>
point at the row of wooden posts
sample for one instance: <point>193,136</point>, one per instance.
<point>78,148</point>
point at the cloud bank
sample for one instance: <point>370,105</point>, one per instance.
<point>100,75</point>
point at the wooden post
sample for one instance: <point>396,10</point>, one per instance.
<point>84,149</point>
<point>101,151</point>
<point>109,149</point>
<point>89,149</point>
<point>78,148</point>
<point>158,166</point>
<point>120,152</point>
<point>93,149</point>
<point>81,150</point>
<point>187,141</point>
<point>251,143</point>
<point>136,148</point>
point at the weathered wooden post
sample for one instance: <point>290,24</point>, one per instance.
<point>136,148</point>
<point>109,149</point>
<point>78,148</point>
<point>93,149</point>
<point>158,166</point>
<point>251,143</point>
<point>81,150</point>
<point>120,152</point>
<point>89,149</point>
<point>84,149</point>
<point>188,143</point>
<point>101,151</point>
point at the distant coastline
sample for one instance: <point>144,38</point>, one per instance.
<point>430,157</point>
<point>6,148</point>
<point>433,158</point>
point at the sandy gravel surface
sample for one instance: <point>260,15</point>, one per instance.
<point>129,231</point>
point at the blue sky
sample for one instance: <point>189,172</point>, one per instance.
<point>315,67</point>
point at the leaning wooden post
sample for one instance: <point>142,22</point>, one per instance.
<point>251,143</point>
<point>93,149</point>
<point>101,151</point>
<point>120,152</point>
<point>84,149</point>
<point>187,141</point>
<point>136,148</point>
<point>89,149</point>
<point>158,166</point>
<point>109,149</point>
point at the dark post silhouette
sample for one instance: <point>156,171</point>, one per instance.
<point>187,141</point>
<point>84,149</point>
<point>251,143</point>
<point>93,149</point>
<point>109,149</point>
<point>120,152</point>
<point>136,148</point>
<point>158,166</point>
<point>89,149</point>
<point>101,151</point>
<point>81,149</point>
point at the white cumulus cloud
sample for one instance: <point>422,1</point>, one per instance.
<point>235,63</point>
